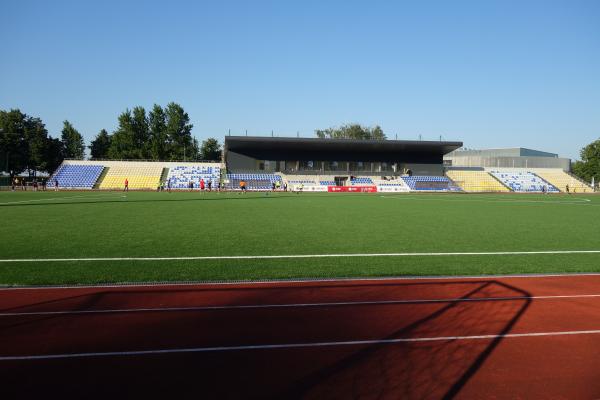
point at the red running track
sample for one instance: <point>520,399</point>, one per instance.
<point>403,338</point>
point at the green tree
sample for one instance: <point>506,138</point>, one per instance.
<point>164,134</point>
<point>53,154</point>
<point>179,133</point>
<point>194,152</point>
<point>13,146</point>
<point>159,140</point>
<point>352,131</point>
<point>100,145</point>
<point>25,144</point>
<point>141,133</point>
<point>73,146</point>
<point>589,166</point>
<point>210,150</point>
<point>122,140</point>
<point>37,142</point>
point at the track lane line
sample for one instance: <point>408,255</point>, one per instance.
<point>297,345</point>
<point>293,305</point>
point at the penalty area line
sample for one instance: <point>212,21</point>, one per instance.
<point>297,345</point>
<point>288,256</point>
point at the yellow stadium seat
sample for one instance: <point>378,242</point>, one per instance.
<point>140,176</point>
<point>560,179</point>
<point>476,181</point>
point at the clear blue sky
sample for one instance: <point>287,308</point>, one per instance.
<point>492,74</point>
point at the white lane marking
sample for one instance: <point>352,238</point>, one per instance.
<point>429,278</point>
<point>285,256</point>
<point>297,345</point>
<point>294,305</point>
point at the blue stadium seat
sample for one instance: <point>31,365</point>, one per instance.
<point>180,176</point>
<point>253,181</point>
<point>524,181</point>
<point>436,183</point>
<point>76,176</point>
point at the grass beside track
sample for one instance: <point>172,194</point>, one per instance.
<point>143,224</point>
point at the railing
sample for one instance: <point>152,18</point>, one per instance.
<point>572,175</point>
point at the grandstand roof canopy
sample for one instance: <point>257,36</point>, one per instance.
<point>244,144</point>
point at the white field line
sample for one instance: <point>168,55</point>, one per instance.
<point>579,201</point>
<point>298,345</point>
<point>269,282</point>
<point>294,305</point>
<point>112,196</point>
<point>287,256</point>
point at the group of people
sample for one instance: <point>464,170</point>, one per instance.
<point>277,186</point>
<point>202,185</point>
<point>16,182</point>
<point>274,186</point>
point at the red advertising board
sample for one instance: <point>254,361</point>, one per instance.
<point>353,189</point>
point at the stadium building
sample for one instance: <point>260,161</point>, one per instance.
<point>336,156</point>
<point>335,165</point>
<point>320,164</point>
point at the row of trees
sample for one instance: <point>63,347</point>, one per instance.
<point>589,166</point>
<point>161,134</point>
<point>26,146</point>
<point>352,131</point>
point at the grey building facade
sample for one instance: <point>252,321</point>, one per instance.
<point>517,157</point>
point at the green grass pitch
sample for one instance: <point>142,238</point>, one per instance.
<point>142,224</point>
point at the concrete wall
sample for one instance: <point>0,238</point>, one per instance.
<point>509,162</point>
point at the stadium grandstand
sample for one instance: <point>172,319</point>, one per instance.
<point>141,175</point>
<point>336,165</point>
<point>512,170</point>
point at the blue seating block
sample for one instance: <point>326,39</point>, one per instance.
<point>76,176</point>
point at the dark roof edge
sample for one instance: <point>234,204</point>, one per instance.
<point>357,141</point>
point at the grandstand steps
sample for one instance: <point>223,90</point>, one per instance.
<point>164,176</point>
<point>453,186</point>
<point>100,178</point>
<point>547,182</point>
<point>578,179</point>
<point>561,179</point>
<point>520,180</point>
<point>500,182</point>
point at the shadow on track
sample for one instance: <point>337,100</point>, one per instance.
<point>437,369</point>
<point>420,370</point>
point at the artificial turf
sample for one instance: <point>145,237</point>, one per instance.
<point>143,224</point>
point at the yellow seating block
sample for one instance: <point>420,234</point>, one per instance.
<point>139,176</point>
<point>476,181</point>
<point>561,179</point>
